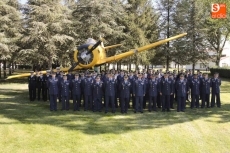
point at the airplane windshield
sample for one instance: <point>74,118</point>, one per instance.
<point>90,41</point>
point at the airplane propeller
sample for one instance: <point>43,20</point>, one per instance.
<point>83,55</point>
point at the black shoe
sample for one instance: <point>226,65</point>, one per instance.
<point>208,106</point>
<point>149,110</point>
<point>142,112</point>
<point>163,110</point>
<point>135,111</point>
<point>106,112</point>
<point>168,110</point>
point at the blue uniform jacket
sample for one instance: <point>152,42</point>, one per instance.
<point>195,87</point>
<point>88,86</point>
<point>65,88</point>
<point>32,81</point>
<point>153,88</point>
<point>205,86</point>
<point>53,86</point>
<point>98,89</point>
<point>110,87</point>
<point>139,88</point>
<point>125,88</point>
<point>215,83</point>
<point>166,87</point>
<point>76,86</point>
<point>182,88</point>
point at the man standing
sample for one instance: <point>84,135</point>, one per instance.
<point>124,88</point>
<point>139,93</point>
<point>32,86</point>
<point>97,94</point>
<point>65,89</point>
<point>205,90</point>
<point>110,92</point>
<point>52,85</point>
<point>153,88</point>
<point>182,89</point>
<point>88,95</point>
<point>76,87</point>
<point>195,91</point>
<point>215,84</point>
<point>165,92</point>
<point>40,85</point>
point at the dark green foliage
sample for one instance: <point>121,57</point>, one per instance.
<point>223,72</point>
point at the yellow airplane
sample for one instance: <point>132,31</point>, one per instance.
<point>93,54</point>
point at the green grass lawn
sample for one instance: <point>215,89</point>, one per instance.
<point>29,127</point>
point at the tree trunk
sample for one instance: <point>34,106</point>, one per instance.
<point>193,68</point>
<point>217,61</point>
<point>15,66</point>
<point>50,64</point>
<point>10,68</point>
<point>4,68</point>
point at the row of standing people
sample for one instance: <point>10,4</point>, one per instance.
<point>158,91</point>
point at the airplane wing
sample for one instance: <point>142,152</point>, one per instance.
<point>43,72</point>
<point>138,50</point>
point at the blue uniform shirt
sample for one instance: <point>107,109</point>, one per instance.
<point>53,86</point>
<point>65,88</point>
<point>215,83</point>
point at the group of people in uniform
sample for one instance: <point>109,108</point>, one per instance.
<point>121,89</point>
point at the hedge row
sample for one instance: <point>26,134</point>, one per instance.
<point>223,72</point>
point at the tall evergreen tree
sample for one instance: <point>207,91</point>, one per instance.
<point>141,29</point>
<point>10,24</point>
<point>188,17</point>
<point>45,36</point>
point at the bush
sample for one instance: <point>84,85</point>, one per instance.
<point>223,72</point>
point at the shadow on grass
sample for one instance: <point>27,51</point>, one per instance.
<point>15,106</point>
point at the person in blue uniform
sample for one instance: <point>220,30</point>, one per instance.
<point>166,89</point>
<point>58,69</point>
<point>172,97</point>
<point>76,87</point>
<point>52,84</point>
<point>145,98</point>
<point>65,92</point>
<point>32,83</point>
<point>132,97</point>
<point>159,104</point>
<point>139,93</point>
<point>205,90</point>
<point>153,88</point>
<point>195,91</point>
<point>97,94</point>
<point>88,95</point>
<point>215,84</point>
<point>182,89</point>
<point>40,86</point>
<point>60,79</point>
<point>124,88</point>
<point>110,93</point>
